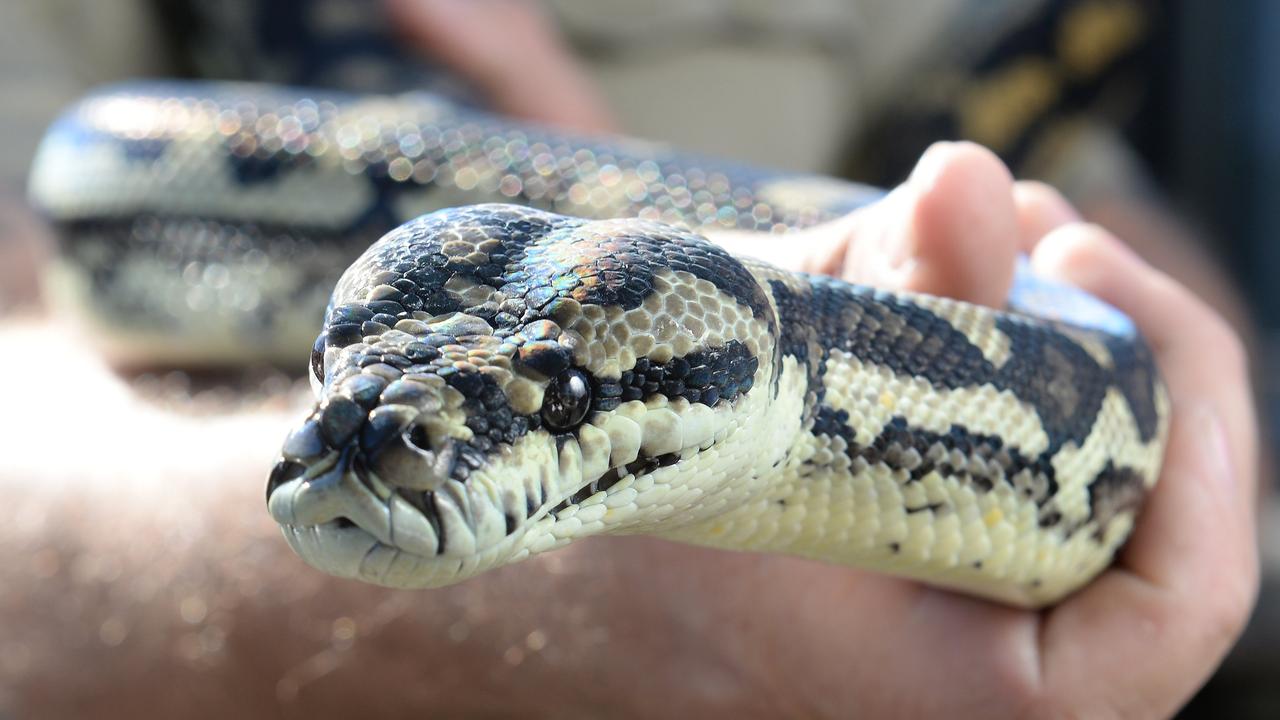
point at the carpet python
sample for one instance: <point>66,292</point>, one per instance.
<point>553,350</point>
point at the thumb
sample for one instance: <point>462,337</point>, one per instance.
<point>951,229</point>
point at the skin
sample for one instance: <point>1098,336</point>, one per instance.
<point>145,578</point>
<point>510,52</point>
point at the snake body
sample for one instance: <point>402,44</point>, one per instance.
<point>497,380</point>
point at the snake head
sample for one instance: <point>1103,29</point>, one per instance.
<point>495,381</point>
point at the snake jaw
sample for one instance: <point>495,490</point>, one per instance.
<point>348,519</point>
<point>391,463</point>
<point>390,511</point>
<point>343,517</point>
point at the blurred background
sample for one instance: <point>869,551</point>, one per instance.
<point>1160,120</point>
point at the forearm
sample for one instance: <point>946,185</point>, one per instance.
<point>155,584</point>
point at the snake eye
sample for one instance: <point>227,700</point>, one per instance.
<point>567,400</point>
<point>317,357</point>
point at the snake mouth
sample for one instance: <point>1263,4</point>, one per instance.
<point>334,509</point>
<point>339,547</point>
<point>638,467</point>
<point>344,521</point>
<point>341,517</point>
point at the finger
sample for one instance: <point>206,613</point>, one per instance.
<point>1040,209</point>
<point>1189,573</point>
<point>950,230</point>
<point>510,52</point>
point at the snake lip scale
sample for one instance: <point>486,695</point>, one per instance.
<point>346,533</point>
<point>497,380</point>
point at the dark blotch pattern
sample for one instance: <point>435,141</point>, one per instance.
<point>975,458</point>
<point>251,168</point>
<point>874,327</point>
<point>1056,376</point>
<point>181,246</point>
<point>414,265</point>
<point>547,357</point>
<point>1114,491</point>
<point>492,422</point>
<point>619,270</point>
<point>1135,376</point>
<point>1046,369</point>
<point>280,130</point>
<point>708,376</point>
<point>834,423</point>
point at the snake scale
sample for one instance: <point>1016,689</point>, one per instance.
<point>554,350</point>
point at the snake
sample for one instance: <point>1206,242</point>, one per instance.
<point>526,338</point>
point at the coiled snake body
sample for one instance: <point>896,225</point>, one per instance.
<point>496,380</point>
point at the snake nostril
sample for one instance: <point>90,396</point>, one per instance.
<point>417,460</point>
<point>418,438</point>
<point>283,472</point>
<point>343,522</point>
